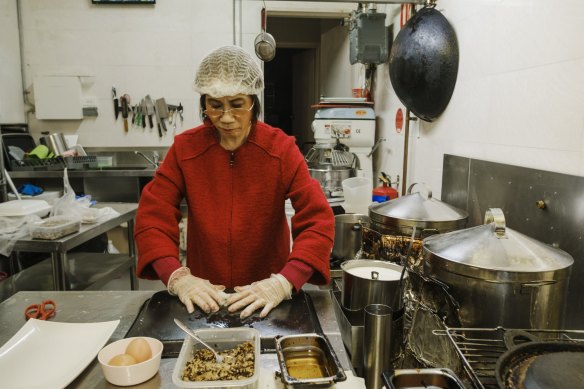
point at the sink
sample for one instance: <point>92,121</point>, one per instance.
<point>125,168</point>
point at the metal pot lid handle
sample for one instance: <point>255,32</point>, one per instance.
<point>428,190</point>
<point>496,216</point>
<point>374,275</point>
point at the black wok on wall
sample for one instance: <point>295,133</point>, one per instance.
<point>423,63</point>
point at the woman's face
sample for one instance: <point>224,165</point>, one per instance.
<point>231,115</point>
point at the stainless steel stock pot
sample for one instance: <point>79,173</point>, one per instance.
<point>500,277</point>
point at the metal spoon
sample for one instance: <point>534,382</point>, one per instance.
<point>190,332</point>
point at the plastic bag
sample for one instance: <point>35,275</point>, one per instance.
<point>80,208</point>
<point>68,205</point>
<point>13,229</point>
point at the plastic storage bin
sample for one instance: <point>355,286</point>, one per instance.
<point>54,227</point>
<point>220,339</point>
<point>357,193</point>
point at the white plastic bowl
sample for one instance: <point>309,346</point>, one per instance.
<point>133,374</point>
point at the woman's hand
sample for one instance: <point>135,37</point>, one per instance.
<point>266,293</point>
<point>191,289</point>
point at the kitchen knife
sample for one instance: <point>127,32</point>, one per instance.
<point>136,118</point>
<point>162,110</point>
<point>116,105</point>
<point>124,99</point>
<point>149,109</point>
<point>144,114</point>
<point>158,122</point>
<point>139,115</point>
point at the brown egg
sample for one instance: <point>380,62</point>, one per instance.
<point>139,349</point>
<point>122,360</point>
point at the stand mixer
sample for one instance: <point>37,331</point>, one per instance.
<point>344,132</point>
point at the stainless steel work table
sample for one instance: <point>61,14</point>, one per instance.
<point>58,248</point>
<point>99,306</point>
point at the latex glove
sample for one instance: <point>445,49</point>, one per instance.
<point>266,293</point>
<point>191,289</point>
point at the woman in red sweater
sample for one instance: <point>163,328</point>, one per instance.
<point>235,174</point>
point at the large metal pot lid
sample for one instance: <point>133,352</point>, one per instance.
<point>493,246</point>
<point>415,208</point>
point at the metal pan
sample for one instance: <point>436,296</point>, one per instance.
<point>423,63</point>
<point>540,364</point>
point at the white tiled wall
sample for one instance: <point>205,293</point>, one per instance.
<point>11,101</point>
<point>141,49</point>
<point>519,97</point>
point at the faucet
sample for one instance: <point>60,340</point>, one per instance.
<point>155,158</point>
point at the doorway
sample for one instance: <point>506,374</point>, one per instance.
<point>290,90</point>
<point>311,59</point>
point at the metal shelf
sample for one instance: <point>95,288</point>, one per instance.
<point>83,271</point>
<point>59,248</point>
<point>480,348</point>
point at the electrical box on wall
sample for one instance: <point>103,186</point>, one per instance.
<point>58,98</point>
<point>368,38</point>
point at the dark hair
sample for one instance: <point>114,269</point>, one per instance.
<point>255,112</point>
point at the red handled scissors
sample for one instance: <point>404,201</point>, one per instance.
<point>42,311</point>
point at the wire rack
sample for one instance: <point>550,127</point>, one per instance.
<point>479,349</point>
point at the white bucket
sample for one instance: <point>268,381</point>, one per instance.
<point>357,193</point>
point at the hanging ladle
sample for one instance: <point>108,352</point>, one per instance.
<point>183,326</point>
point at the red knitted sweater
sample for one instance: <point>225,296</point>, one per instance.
<point>237,231</point>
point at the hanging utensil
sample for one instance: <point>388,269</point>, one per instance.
<point>158,121</point>
<point>116,105</point>
<point>149,109</point>
<point>265,44</point>
<point>144,112</point>
<point>423,63</point>
<point>162,109</point>
<point>125,100</point>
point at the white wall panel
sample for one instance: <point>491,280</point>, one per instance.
<point>141,49</point>
<point>519,97</point>
<point>11,97</point>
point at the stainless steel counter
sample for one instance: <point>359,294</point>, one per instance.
<point>58,248</point>
<point>118,171</point>
<point>87,307</point>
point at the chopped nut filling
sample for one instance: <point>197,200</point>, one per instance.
<point>238,364</point>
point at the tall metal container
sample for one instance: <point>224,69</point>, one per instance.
<point>499,276</point>
<point>348,234</point>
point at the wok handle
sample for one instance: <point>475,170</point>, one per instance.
<point>514,338</point>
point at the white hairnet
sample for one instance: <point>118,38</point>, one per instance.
<point>228,71</point>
